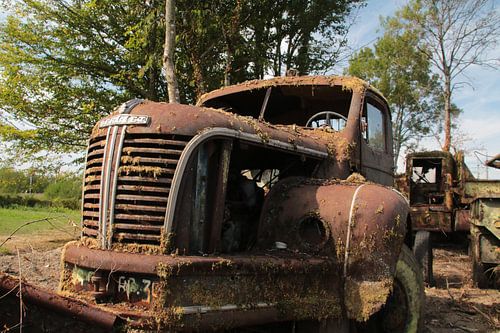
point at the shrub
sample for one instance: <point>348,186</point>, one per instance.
<point>64,188</point>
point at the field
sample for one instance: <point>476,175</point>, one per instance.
<point>36,228</point>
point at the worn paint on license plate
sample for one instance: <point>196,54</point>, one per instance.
<point>131,288</point>
<point>134,288</point>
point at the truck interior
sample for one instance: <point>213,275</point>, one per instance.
<point>426,182</point>
<point>306,106</point>
<point>239,184</point>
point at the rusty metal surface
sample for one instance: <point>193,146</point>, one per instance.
<point>482,189</point>
<point>431,218</point>
<point>462,220</point>
<point>148,264</point>
<point>350,83</point>
<point>64,305</point>
<point>485,212</point>
<point>364,228</point>
<point>197,292</point>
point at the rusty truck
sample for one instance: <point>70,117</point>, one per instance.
<point>446,199</point>
<point>268,205</point>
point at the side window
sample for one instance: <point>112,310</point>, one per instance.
<point>373,129</point>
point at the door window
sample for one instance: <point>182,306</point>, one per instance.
<point>374,128</point>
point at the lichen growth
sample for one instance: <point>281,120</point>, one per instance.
<point>142,169</point>
<point>355,178</point>
<point>363,298</point>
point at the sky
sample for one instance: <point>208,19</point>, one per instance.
<point>480,101</point>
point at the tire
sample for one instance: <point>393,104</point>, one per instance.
<point>422,248</point>
<point>480,278</point>
<point>402,312</point>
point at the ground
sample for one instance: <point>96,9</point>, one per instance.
<point>452,306</point>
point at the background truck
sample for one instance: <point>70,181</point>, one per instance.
<point>267,206</point>
<point>446,199</point>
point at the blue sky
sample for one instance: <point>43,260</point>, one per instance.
<point>480,102</point>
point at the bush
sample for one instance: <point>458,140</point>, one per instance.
<point>70,203</point>
<point>17,200</point>
<point>64,188</point>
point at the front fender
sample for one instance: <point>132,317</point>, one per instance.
<point>361,226</point>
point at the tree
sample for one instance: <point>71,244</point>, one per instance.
<point>13,181</point>
<point>168,53</point>
<point>64,64</point>
<point>403,75</point>
<point>453,35</point>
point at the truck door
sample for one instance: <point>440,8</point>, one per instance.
<point>376,141</point>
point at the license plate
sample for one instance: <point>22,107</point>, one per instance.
<point>129,288</point>
<point>134,288</point>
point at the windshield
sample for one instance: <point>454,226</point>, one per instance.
<point>302,105</point>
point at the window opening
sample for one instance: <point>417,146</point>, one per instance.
<point>373,127</point>
<point>425,181</point>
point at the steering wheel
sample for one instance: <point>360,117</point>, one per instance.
<point>325,115</point>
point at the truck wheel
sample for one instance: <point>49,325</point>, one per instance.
<point>479,277</point>
<point>422,248</point>
<point>402,312</point>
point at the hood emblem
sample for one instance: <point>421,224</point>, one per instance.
<point>125,119</point>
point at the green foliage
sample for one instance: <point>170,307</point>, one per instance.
<point>23,201</point>
<point>64,187</point>
<point>65,64</point>
<point>25,188</point>
<point>13,181</point>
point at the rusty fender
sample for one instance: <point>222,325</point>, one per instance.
<point>361,225</point>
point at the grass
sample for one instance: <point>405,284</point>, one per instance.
<point>63,220</point>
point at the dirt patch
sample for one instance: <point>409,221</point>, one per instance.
<point>41,241</point>
<point>38,267</point>
<point>454,305</point>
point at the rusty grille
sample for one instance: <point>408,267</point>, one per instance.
<point>145,174</point>
<point>92,180</point>
<point>147,166</point>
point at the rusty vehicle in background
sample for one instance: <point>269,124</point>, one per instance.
<point>268,206</point>
<point>446,199</point>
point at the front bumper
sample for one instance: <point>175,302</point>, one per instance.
<point>197,292</point>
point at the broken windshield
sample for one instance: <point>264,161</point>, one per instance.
<point>303,105</point>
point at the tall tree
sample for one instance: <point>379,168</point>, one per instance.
<point>403,75</point>
<point>454,34</point>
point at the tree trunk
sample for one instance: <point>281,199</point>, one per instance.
<point>168,52</point>
<point>199,78</point>
<point>447,113</point>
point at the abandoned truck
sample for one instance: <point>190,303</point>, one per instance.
<point>445,198</point>
<point>266,205</point>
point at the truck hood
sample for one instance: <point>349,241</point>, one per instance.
<point>188,120</point>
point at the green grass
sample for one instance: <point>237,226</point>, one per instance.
<point>60,220</point>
